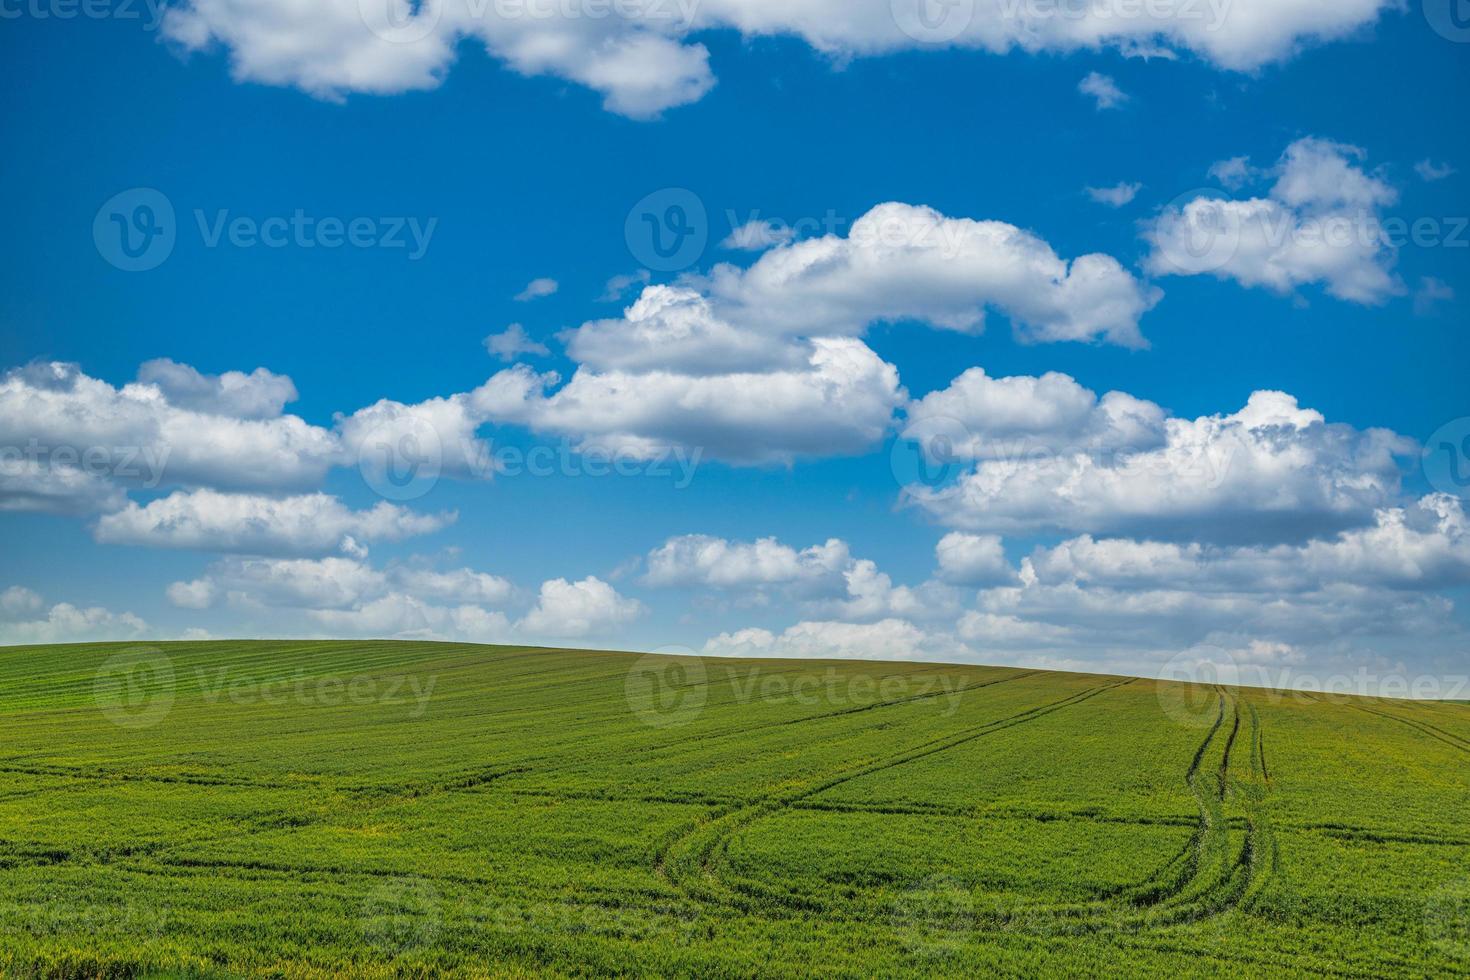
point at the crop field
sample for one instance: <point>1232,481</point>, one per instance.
<point>315,809</point>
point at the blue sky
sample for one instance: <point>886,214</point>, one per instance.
<point>1327,553</point>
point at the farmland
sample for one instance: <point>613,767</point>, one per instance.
<point>310,809</point>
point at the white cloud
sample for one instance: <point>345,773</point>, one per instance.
<point>1272,471</point>
<point>577,609</point>
<point>260,394</point>
<point>1233,173</point>
<point>699,559</point>
<point>1428,170</point>
<point>1009,632</point>
<point>422,440</point>
<point>901,262</point>
<point>887,639</point>
<point>460,585</point>
<point>826,579</point>
<point>757,235</point>
<point>309,524</point>
<point>840,402</point>
<point>973,559</point>
<point>1430,293</point>
<point>642,62</point>
<point>1423,546</point>
<point>18,601</point>
<point>1115,196</point>
<point>677,329</point>
<point>314,583</point>
<point>618,285</point>
<point>198,594</point>
<point>66,623</point>
<point>980,417</point>
<point>512,342</point>
<point>70,441</point>
<point>1319,224</point>
<point>537,288</point>
<point>399,616</point>
<point>762,365</point>
<point>46,487</point>
<point>1103,90</point>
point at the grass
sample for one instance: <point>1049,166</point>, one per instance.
<point>315,809</point>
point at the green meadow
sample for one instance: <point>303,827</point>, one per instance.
<point>386,809</point>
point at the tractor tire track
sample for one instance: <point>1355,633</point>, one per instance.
<point>687,857</point>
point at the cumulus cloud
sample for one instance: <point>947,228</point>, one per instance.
<point>578,609</point>
<point>901,262</point>
<point>699,559</point>
<point>1103,90</point>
<point>400,616</point>
<point>824,578</point>
<point>887,639</point>
<point>839,402</point>
<point>1115,196</point>
<point>1320,223</point>
<point>757,235</point>
<point>642,61</point>
<point>261,394</point>
<point>980,417</point>
<point>308,524</point>
<point>72,442</point>
<point>348,596</point>
<point>17,601</point>
<point>620,284</point>
<point>1425,545</point>
<point>1233,173</point>
<point>53,487</point>
<point>537,288</point>
<point>512,342</point>
<point>198,594</point>
<point>973,559</point>
<point>1272,471</point>
<point>63,622</point>
<point>764,364</point>
<point>390,440</point>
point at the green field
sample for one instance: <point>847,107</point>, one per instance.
<point>414,809</point>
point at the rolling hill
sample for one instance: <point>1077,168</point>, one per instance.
<point>305,809</point>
